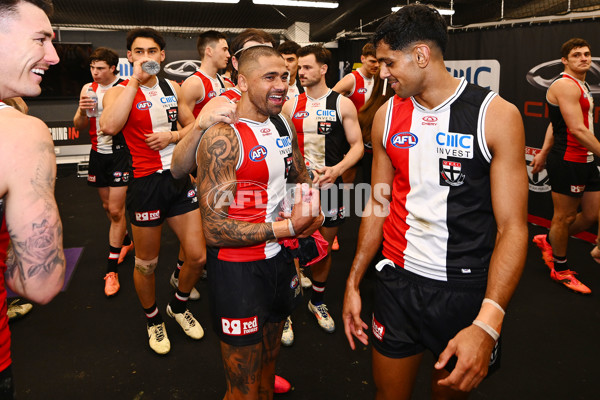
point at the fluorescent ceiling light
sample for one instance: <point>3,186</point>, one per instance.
<point>297,3</point>
<point>204,1</point>
<point>442,11</point>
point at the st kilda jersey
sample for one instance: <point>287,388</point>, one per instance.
<point>565,144</point>
<point>318,124</point>
<point>363,87</point>
<point>101,143</point>
<point>233,94</point>
<point>212,88</point>
<point>261,173</point>
<point>441,224</point>
<point>154,110</point>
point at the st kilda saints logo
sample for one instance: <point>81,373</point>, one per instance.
<point>172,114</point>
<point>324,127</point>
<point>539,181</point>
<point>451,173</point>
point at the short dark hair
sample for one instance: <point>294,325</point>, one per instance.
<point>410,24</point>
<point>322,55</point>
<point>9,7</point>
<point>571,44</point>
<point>145,33</point>
<point>252,54</point>
<point>288,47</point>
<point>369,50</point>
<point>250,34</point>
<point>208,38</point>
<point>107,55</point>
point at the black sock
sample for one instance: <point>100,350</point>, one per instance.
<point>178,269</point>
<point>560,263</point>
<point>154,317</point>
<point>318,292</point>
<point>113,259</point>
<point>126,239</point>
<point>179,302</point>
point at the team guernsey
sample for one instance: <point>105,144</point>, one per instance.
<point>441,225</point>
<point>565,144</point>
<point>318,124</point>
<point>262,169</point>
<point>154,110</point>
<point>101,143</point>
<point>212,88</point>
<point>233,94</point>
<point>363,87</point>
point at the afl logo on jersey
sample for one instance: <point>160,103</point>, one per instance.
<point>404,140</point>
<point>362,90</point>
<point>144,105</point>
<point>212,94</point>
<point>191,193</point>
<point>258,153</point>
<point>301,114</point>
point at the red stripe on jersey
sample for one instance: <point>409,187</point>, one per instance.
<point>92,120</point>
<point>358,98</point>
<point>251,197</point>
<point>209,92</point>
<point>232,94</point>
<point>395,225</point>
<point>298,122</point>
<point>145,160</point>
<point>576,152</point>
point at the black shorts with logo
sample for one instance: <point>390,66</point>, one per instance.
<point>412,313</point>
<point>246,295</point>
<point>112,170</point>
<point>571,178</point>
<point>153,198</point>
<point>332,203</point>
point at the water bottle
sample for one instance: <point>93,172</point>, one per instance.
<point>151,67</point>
<point>93,96</point>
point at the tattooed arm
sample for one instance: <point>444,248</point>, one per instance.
<point>35,262</point>
<point>218,156</point>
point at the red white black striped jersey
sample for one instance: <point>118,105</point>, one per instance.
<point>154,109</point>
<point>361,92</point>
<point>101,143</point>
<point>441,225</point>
<point>565,144</point>
<point>233,94</point>
<point>212,88</point>
<point>261,173</point>
<point>319,128</point>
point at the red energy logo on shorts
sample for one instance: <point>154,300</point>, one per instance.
<point>239,327</point>
<point>147,216</point>
<point>91,178</point>
<point>577,188</point>
<point>378,329</point>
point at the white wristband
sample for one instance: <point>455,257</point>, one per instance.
<point>488,329</point>
<point>492,302</point>
<point>291,227</point>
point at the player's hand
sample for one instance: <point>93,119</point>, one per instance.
<point>85,103</point>
<point>307,207</point>
<point>327,177</point>
<point>354,326</point>
<point>158,140</point>
<point>219,109</point>
<point>473,348</point>
<point>138,73</point>
<point>538,163</point>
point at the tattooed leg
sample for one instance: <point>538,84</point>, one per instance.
<point>271,346</point>
<point>242,370</point>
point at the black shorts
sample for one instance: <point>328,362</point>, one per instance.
<point>332,203</point>
<point>571,178</point>
<point>412,313</point>
<point>112,170</point>
<point>246,295</point>
<point>152,198</point>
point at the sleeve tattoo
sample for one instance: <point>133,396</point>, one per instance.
<point>217,159</point>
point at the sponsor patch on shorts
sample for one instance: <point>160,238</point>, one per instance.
<point>378,329</point>
<point>147,216</point>
<point>239,327</point>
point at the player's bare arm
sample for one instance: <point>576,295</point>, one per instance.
<point>192,90</point>
<point>370,234</point>
<point>539,160</point>
<point>473,345</point>
<point>566,95</point>
<point>117,104</point>
<point>35,263</point>
<point>345,85</point>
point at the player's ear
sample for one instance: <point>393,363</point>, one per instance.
<point>242,83</point>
